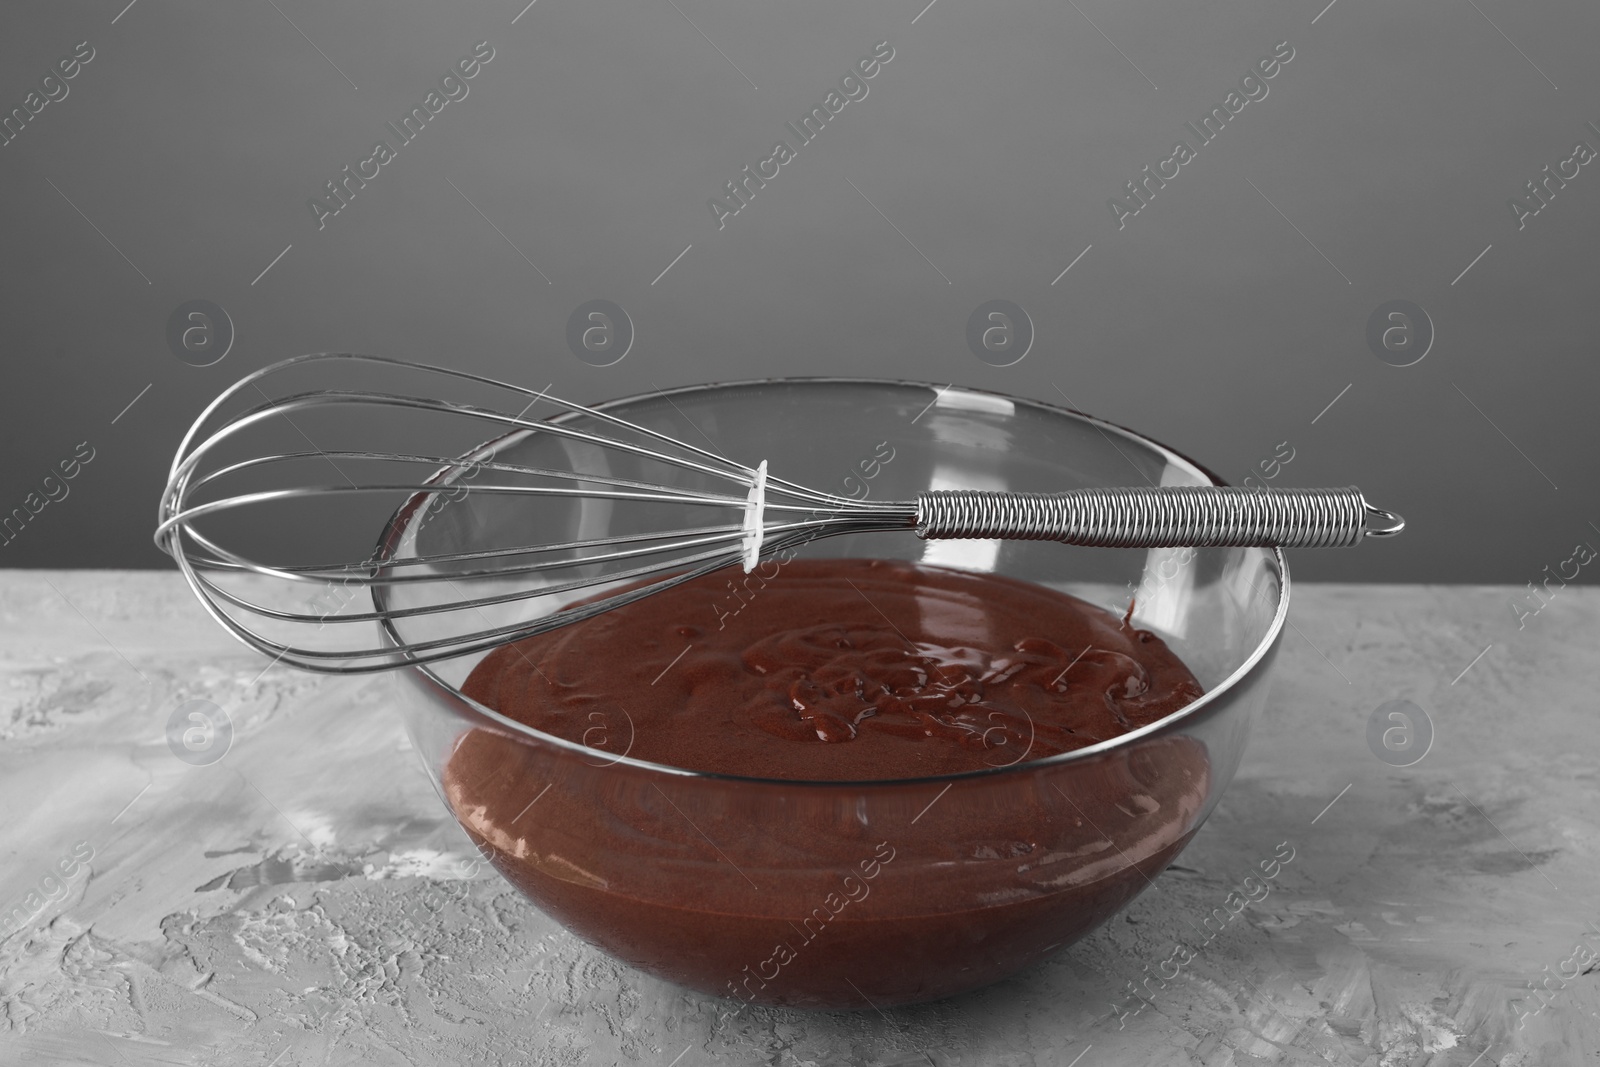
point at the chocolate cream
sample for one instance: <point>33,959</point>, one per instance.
<point>834,671</point>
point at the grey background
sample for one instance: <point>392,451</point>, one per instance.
<point>1215,321</point>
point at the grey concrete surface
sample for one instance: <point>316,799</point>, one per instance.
<point>296,902</point>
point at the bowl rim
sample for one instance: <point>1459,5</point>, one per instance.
<point>469,708</point>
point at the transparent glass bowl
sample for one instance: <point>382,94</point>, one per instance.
<point>853,894</point>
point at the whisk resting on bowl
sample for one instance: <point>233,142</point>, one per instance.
<point>270,481</point>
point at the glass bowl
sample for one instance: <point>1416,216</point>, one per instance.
<point>841,895</point>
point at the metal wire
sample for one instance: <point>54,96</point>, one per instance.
<point>1169,516</point>
<point>247,595</point>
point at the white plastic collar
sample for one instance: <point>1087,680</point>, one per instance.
<point>755,526</point>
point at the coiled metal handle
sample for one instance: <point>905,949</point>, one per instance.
<point>1164,517</point>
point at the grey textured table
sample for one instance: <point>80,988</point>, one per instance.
<point>297,902</point>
